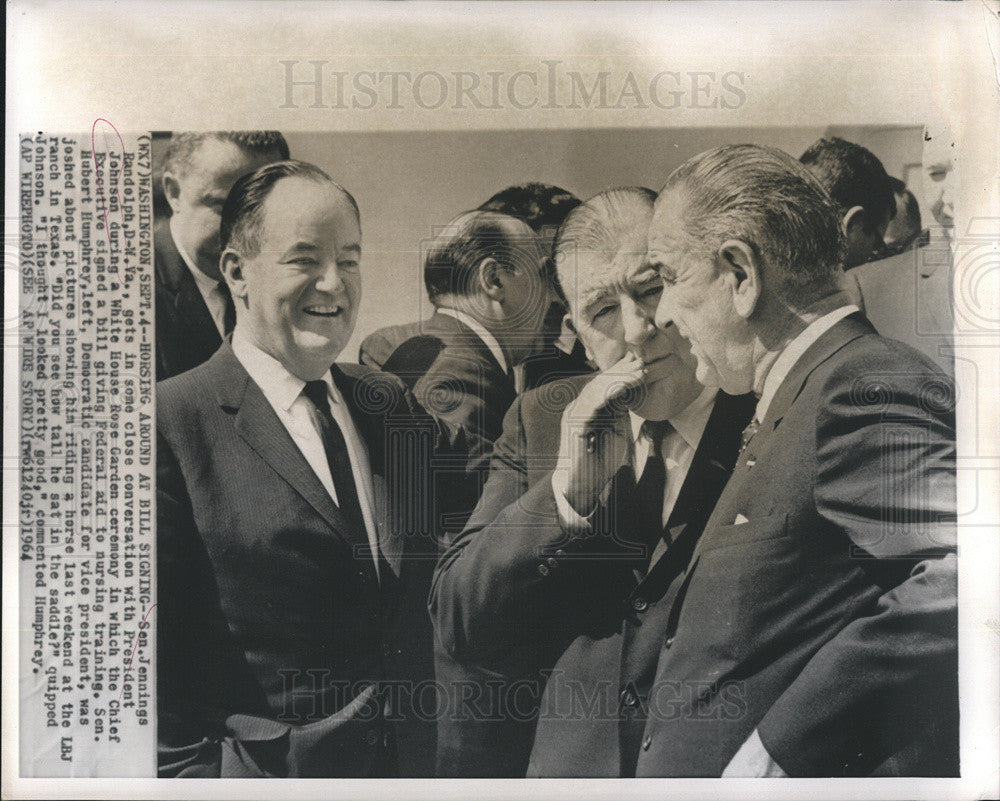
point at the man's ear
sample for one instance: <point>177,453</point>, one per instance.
<point>854,218</point>
<point>171,189</point>
<point>569,325</point>
<point>738,261</point>
<point>231,266</point>
<point>491,279</point>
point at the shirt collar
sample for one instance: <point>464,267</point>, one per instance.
<point>488,338</point>
<point>205,282</point>
<point>793,352</point>
<point>689,422</point>
<point>279,386</point>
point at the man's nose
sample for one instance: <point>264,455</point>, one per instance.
<point>330,280</point>
<point>639,327</point>
<point>663,316</point>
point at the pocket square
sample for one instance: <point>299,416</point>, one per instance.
<point>740,520</point>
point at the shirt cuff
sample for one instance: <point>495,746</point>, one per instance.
<point>569,518</point>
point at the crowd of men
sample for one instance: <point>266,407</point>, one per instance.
<point>664,487</point>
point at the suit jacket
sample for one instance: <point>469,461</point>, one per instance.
<point>281,652</point>
<point>908,297</point>
<point>553,364</point>
<point>820,603</point>
<point>379,344</point>
<point>186,335</point>
<point>567,622</point>
<point>455,376</point>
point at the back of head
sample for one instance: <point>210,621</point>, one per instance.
<point>853,176</point>
<point>184,144</point>
<point>452,260</point>
<point>242,213</point>
<point>768,200</point>
<point>602,225</point>
<point>539,205</point>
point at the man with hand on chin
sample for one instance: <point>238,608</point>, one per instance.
<point>561,585</point>
<point>823,589</point>
<point>286,599</point>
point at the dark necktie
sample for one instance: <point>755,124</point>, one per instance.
<point>649,489</point>
<point>337,457</point>
<point>229,315</point>
<point>748,433</point>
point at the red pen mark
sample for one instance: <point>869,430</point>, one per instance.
<point>100,187</point>
<point>127,669</point>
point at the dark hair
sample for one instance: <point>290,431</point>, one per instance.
<point>183,144</point>
<point>853,176</point>
<point>598,225</point>
<point>242,211</point>
<point>539,205</point>
<point>768,200</point>
<point>451,261</point>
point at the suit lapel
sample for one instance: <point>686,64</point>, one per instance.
<point>457,332</point>
<point>188,301</point>
<point>259,427</point>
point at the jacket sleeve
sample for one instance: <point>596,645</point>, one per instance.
<point>514,575</point>
<point>885,477</point>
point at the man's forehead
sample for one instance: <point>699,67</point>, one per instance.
<point>601,273</point>
<point>297,205</point>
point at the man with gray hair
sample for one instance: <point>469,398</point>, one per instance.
<point>817,634</point>
<point>194,310</point>
<point>564,578</point>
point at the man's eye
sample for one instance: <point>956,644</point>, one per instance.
<point>604,311</point>
<point>652,291</point>
<point>348,266</point>
<point>306,261</point>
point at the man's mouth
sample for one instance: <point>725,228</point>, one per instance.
<point>327,310</point>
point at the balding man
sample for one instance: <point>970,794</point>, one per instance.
<point>597,494</point>
<point>817,633</point>
<point>484,274</point>
<point>290,627</point>
<point>194,310</point>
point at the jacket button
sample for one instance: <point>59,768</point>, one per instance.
<point>640,604</point>
<point>551,562</point>
<point>543,570</point>
<point>371,737</point>
<point>628,698</point>
<point>668,642</point>
<point>648,741</point>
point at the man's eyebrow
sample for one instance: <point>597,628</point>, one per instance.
<point>354,247</point>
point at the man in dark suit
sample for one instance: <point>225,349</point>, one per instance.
<point>294,528</point>
<point>556,594</point>
<point>906,295</point>
<point>816,630</point>
<point>194,311</point>
<point>484,274</point>
<point>558,354</point>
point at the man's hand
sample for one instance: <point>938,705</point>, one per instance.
<point>752,761</point>
<point>594,436</point>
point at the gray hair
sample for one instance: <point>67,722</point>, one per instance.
<point>768,200</point>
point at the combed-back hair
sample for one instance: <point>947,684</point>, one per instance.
<point>451,261</point>
<point>853,176</point>
<point>539,205</point>
<point>775,205</point>
<point>599,225</point>
<point>242,213</point>
<point>183,144</point>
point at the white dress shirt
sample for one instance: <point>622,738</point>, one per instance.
<point>677,449</point>
<point>284,392</point>
<point>207,286</point>
<point>488,338</point>
<point>793,352</point>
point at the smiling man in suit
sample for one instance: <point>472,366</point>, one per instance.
<point>817,631</point>
<point>289,518</point>
<point>598,491</point>
<point>194,310</point>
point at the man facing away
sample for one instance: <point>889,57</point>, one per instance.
<point>817,631</point>
<point>194,310</point>
<point>290,515</point>
<point>561,583</point>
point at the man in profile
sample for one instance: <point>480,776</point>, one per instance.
<point>484,274</point>
<point>577,549</point>
<point>194,310</point>
<point>817,634</point>
<point>902,295</point>
<point>294,499</point>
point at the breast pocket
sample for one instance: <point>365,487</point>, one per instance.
<point>742,534</point>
